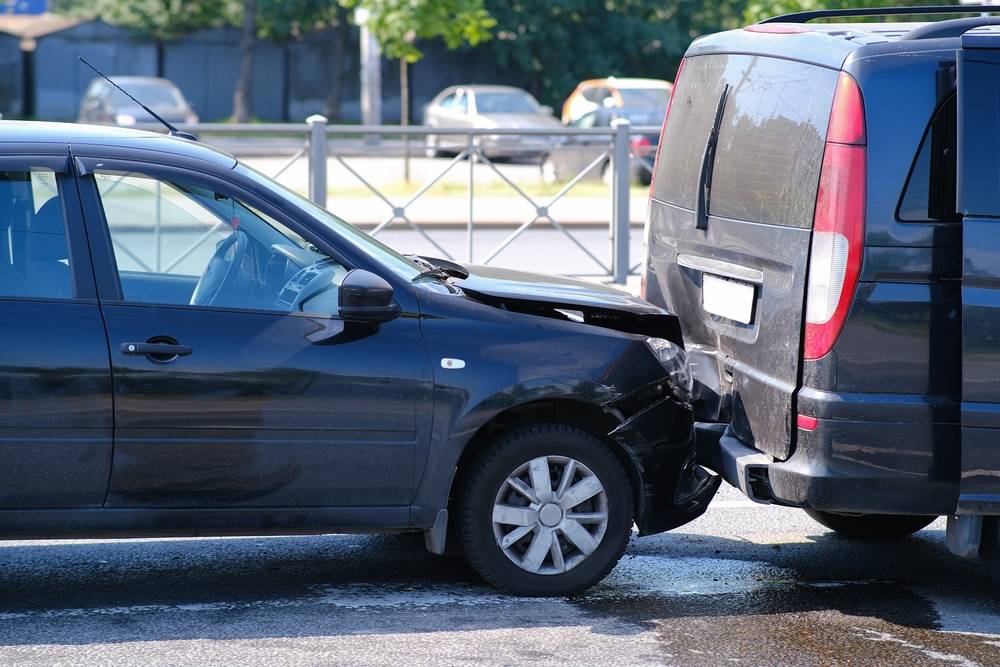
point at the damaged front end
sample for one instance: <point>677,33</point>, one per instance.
<point>654,422</point>
<point>656,429</point>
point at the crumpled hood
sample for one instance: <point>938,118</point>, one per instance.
<point>554,291</point>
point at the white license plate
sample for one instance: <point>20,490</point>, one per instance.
<point>727,298</point>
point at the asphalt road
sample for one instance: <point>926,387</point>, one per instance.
<point>744,584</point>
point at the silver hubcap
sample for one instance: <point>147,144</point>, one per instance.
<point>550,514</point>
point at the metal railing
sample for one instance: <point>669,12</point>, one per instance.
<point>317,142</point>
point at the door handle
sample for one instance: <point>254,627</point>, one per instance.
<point>162,352</point>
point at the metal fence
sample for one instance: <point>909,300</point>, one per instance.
<point>317,142</point>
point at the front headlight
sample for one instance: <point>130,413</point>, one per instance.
<point>675,363</point>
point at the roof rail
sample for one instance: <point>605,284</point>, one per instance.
<point>805,17</point>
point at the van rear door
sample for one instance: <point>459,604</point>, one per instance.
<point>979,202</point>
<point>730,229</point>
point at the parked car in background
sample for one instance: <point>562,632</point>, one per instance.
<point>490,107</point>
<point>834,257</point>
<point>614,92</point>
<point>578,151</point>
<point>105,105</point>
<point>200,351</point>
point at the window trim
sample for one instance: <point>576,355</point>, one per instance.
<point>82,281</point>
<point>106,267</point>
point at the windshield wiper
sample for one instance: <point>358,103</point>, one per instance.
<point>440,265</point>
<point>432,273</point>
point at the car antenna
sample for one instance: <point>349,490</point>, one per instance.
<point>174,132</point>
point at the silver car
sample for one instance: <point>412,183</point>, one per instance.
<point>102,104</point>
<point>490,107</point>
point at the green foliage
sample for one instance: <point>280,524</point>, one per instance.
<point>397,24</point>
<point>159,19</point>
<point>557,44</point>
<point>290,19</point>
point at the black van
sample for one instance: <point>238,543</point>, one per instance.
<point>825,221</point>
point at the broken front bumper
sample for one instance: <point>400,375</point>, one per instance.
<point>674,489</point>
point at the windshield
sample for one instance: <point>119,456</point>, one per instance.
<point>644,97</point>
<point>154,95</point>
<point>378,251</point>
<point>505,102</point>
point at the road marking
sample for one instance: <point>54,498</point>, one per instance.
<point>952,658</point>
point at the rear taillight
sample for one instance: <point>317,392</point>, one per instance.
<point>838,224</point>
<point>663,128</point>
<point>652,181</point>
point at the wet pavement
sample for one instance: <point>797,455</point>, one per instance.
<point>744,584</point>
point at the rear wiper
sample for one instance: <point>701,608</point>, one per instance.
<point>704,198</point>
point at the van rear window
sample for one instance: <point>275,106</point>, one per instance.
<point>770,146</point>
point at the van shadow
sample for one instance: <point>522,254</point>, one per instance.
<point>247,588</point>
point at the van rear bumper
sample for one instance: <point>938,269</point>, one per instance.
<point>888,466</point>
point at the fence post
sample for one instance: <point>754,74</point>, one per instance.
<point>621,165</point>
<point>317,159</point>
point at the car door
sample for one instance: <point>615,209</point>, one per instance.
<point>979,203</point>
<point>55,379</point>
<point>226,395</point>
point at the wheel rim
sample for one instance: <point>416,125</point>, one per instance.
<point>550,515</point>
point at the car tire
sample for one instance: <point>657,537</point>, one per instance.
<point>431,147</point>
<point>872,527</point>
<point>549,171</point>
<point>529,454</point>
<point>989,547</point>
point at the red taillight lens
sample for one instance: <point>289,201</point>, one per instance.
<point>806,423</point>
<point>652,180</point>
<point>666,115</point>
<point>640,141</point>
<point>838,224</point>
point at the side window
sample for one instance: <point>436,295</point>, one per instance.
<point>34,254</point>
<point>929,195</point>
<point>449,101</point>
<point>177,243</point>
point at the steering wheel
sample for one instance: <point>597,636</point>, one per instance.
<point>221,273</point>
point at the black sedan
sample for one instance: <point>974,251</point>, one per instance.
<point>190,349</point>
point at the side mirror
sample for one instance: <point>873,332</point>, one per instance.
<point>546,110</point>
<point>366,297</point>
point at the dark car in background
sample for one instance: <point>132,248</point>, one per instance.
<point>825,222</point>
<point>490,108</point>
<point>105,105</point>
<point>577,152</point>
<point>191,349</point>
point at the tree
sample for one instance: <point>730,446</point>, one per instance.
<point>398,24</point>
<point>242,94</point>
<point>159,20</point>
<point>288,20</point>
<point>557,44</point>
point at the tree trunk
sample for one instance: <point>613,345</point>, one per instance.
<point>404,113</point>
<point>243,94</point>
<point>335,87</point>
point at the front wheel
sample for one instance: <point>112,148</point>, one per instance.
<point>545,511</point>
<point>871,526</point>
